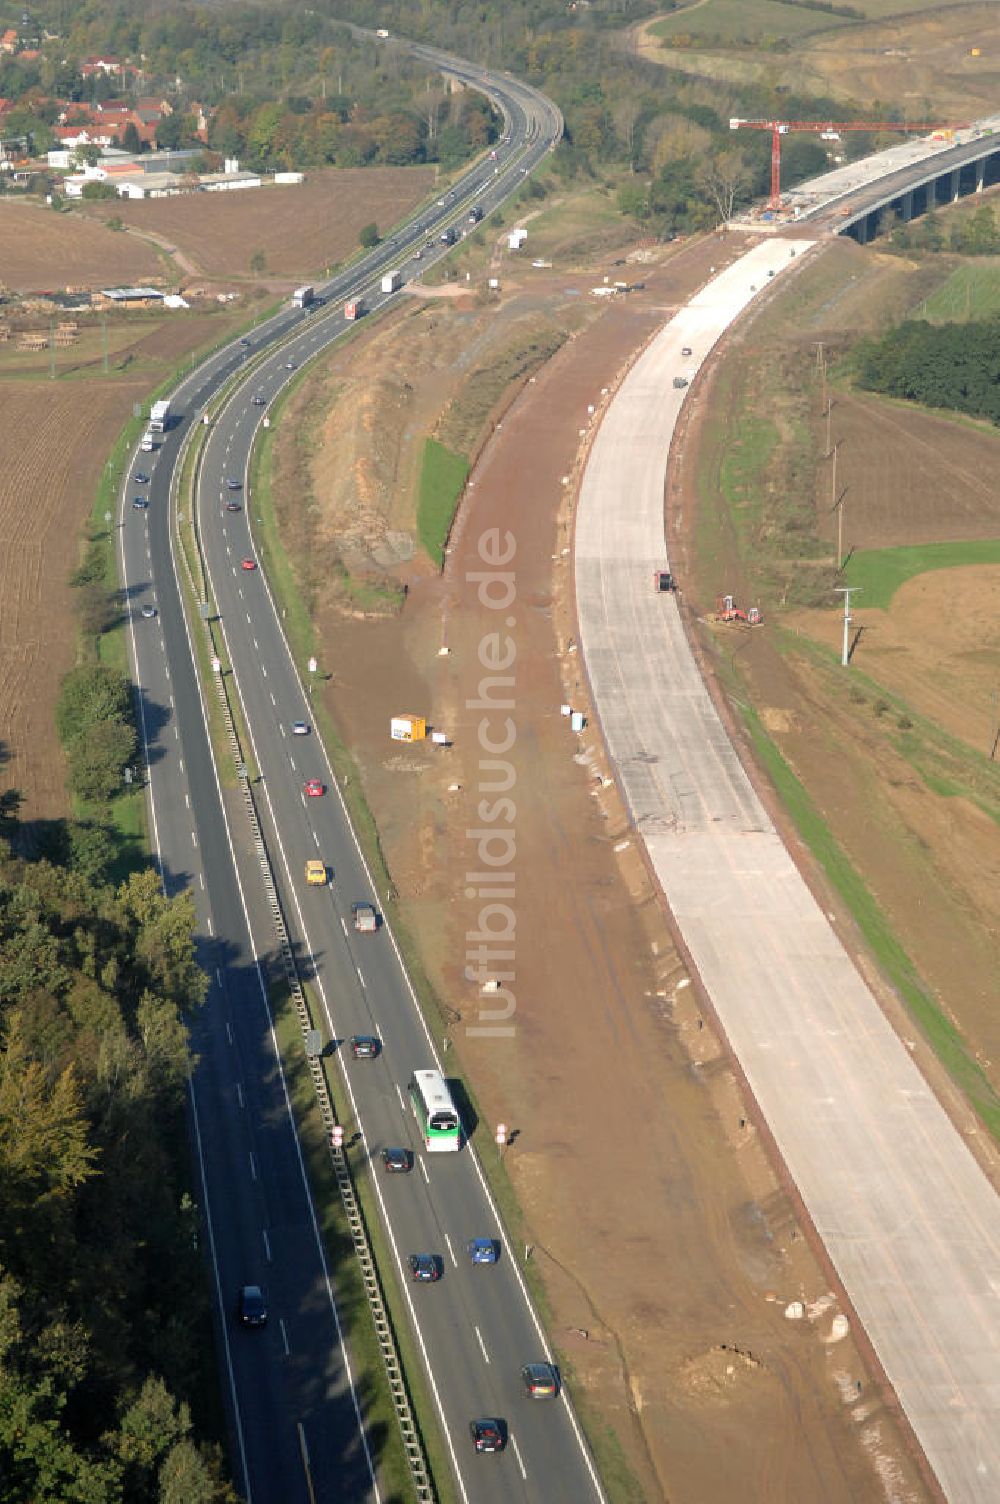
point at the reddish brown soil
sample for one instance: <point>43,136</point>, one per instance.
<point>301,229</point>
<point>667,1248</point>
<point>41,251</point>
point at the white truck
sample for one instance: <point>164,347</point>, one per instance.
<point>392,281</point>
<point>159,417</point>
<point>302,297</point>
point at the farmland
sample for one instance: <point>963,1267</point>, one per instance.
<point>299,230</point>
<point>41,251</point>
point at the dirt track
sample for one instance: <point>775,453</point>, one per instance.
<point>668,1250</point>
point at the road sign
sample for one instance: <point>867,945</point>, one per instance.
<point>314,1043</point>
<point>313,665</point>
<point>337,1136</point>
<point>216,666</point>
<point>501,1134</point>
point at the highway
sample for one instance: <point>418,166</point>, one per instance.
<point>909,1220</point>
<point>297,1424</point>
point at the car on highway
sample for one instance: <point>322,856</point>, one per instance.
<point>487,1434</point>
<point>364,1046</point>
<point>364,917</point>
<point>245,343</point>
<point>418,254</point>
<point>685,349</point>
<point>149,612</point>
<point>232,484</point>
<point>251,1307</point>
<point>248,564</point>
<point>259,401</point>
<point>233,506</point>
<point>540,1380</point>
<point>140,503</point>
<point>300,728</point>
<point>140,479</point>
<point>316,873</point>
<point>397,1161</point>
<point>425,1268</point>
<point>289,365</point>
<point>483,1250</point>
<point>314,789</point>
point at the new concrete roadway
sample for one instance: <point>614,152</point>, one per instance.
<point>909,1220</point>
<point>298,1424</point>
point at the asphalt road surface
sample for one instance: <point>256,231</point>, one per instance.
<point>908,1218</point>
<point>297,1422</point>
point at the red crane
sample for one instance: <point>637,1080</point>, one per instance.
<point>828,128</point>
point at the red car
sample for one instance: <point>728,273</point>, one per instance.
<point>314,789</point>
<point>249,564</point>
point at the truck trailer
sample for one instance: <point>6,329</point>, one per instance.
<point>302,297</point>
<point>392,281</point>
<point>159,417</point>
<point>353,309</point>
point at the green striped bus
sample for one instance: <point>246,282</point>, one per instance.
<point>435,1111</point>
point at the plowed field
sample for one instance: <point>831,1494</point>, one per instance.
<point>42,251</point>
<point>54,442</point>
<point>299,229</point>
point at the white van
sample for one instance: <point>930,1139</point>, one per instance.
<point>147,443</point>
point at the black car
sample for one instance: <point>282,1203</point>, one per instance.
<point>251,1308</point>
<point>364,1046</point>
<point>488,1434</point>
<point>540,1380</point>
<point>140,503</point>
<point>425,1268</point>
<point>140,479</point>
<point>397,1161</point>
<point>234,485</point>
<point>245,343</point>
<point>233,506</point>
<point>259,401</point>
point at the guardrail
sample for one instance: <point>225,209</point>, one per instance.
<point>412,1442</point>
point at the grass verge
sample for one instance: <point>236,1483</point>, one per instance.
<point>879,572</point>
<point>896,965</point>
<point>443,474</point>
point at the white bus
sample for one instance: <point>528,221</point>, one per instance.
<point>435,1111</point>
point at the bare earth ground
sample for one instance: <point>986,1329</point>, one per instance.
<point>922,62</point>
<point>668,1248</point>
<point>301,229</point>
<point>54,440</point>
<point>43,251</point>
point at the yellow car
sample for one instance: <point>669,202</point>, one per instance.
<point>316,874</point>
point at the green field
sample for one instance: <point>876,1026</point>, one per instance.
<point>879,572</point>
<point>971,292</point>
<point>442,476</point>
<point>752,21</point>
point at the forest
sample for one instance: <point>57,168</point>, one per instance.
<point>941,365</point>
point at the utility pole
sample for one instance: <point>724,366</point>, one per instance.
<point>829,410</point>
<point>847,591</point>
<point>821,363</point>
<point>840,531</point>
<point>832,454</point>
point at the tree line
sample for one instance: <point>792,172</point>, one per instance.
<point>941,365</point>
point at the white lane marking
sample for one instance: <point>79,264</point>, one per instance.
<point>211,925</point>
<point>194,838</point>
<point>482,1348</point>
<point>218,977</point>
<point>399,1094</point>
<point>248,618</point>
<point>451,1251</point>
<point>282,728</point>
<point>343,926</point>
<point>201,879</point>
<point>239,1098</point>
<point>291,763</point>
<point>177,734</point>
<point>274,702</point>
<point>171,699</point>
<point>187,800</point>
<point>229,1031</point>
<point>267,1244</point>
<point>263,671</point>
<point>360,977</point>
<point>284,1338</point>
<point>256,644</point>
<point>253,1167</point>
<point>316,839</point>
<point>423,1169</point>
<point>180,763</point>
<point>303,798</point>
<point>517,1454</point>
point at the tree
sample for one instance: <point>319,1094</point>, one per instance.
<point>98,190</point>
<point>724,178</point>
<point>131,140</point>
<point>87,154</point>
<point>369,236</point>
<point>91,693</point>
<point>258,263</point>
<point>98,758</point>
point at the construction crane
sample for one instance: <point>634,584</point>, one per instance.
<point>829,130</point>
